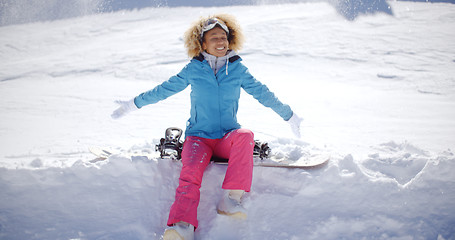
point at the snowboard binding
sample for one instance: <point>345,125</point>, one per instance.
<point>171,146</point>
<point>261,150</point>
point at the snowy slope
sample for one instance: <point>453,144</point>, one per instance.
<point>377,93</point>
<point>25,11</point>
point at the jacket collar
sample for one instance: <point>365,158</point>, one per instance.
<point>232,59</point>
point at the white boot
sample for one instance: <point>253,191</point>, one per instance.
<point>180,231</point>
<point>231,204</point>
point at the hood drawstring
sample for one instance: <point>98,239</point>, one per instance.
<point>227,65</point>
<point>212,65</point>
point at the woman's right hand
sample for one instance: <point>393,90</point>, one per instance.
<point>125,108</point>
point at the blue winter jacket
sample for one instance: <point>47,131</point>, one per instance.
<point>214,98</point>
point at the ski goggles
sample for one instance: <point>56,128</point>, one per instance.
<point>211,23</point>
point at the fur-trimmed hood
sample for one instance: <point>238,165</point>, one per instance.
<point>193,39</point>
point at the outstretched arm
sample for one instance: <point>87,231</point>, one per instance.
<point>267,98</point>
<point>166,89</point>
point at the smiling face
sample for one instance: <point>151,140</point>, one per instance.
<point>216,42</point>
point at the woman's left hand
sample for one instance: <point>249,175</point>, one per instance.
<point>295,122</point>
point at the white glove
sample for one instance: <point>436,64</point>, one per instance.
<point>125,108</point>
<point>295,121</point>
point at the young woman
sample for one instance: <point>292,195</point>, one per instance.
<point>216,76</point>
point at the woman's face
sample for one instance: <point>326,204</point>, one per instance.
<point>216,42</point>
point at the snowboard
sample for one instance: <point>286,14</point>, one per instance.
<point>307,162</point>
<point>170,147</point>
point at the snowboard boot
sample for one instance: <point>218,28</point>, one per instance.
<point>179,231</point>
<point>231,204</point>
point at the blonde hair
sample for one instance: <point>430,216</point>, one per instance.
<point>192,36</point>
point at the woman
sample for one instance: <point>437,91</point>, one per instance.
<point>216,75</point>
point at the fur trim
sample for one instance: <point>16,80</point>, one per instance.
<point>192,37</point>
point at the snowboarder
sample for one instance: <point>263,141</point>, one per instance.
<point>216,75</point>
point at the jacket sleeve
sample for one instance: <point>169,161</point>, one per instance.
<point>261,93</point>
<point>166,89</point>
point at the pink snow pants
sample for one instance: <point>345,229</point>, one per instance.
<point>237,146</point>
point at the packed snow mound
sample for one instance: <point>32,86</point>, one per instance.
<point>398,162</point>
<point>129,198</point>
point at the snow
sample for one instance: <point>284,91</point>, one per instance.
<point>377,93</point>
